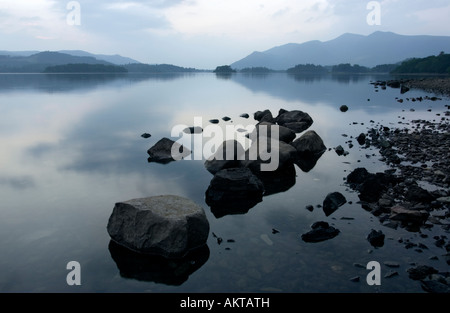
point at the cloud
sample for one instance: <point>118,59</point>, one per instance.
<point>432,19</point>
<point>250,19</point>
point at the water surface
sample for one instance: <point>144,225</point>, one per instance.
<point>71,149</point>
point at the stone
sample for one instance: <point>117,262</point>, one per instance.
<point>358,176</point>
<point>165,225</point>
<point>320,231</point>
<point>418,194</point>
<point>296,120</point>
<point>400,213</point>
<point>376,238</point>
<point>343,108</point>
<point>339,150</point>
<point>309,144</point>
<point>233,191</point>
<point>227,156</point>
<point>284,133</point>
<point>420,272</point>
<point>264,116</point>
<point>332,202</point>
<point>193,130</point>
<point>167,150</point>
<point>244,115</point>
<point>285,155</point>
<point>361,139</point>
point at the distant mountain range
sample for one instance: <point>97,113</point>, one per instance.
<point>374,49</point>
<point>77,61</point>
<point>112,59</point>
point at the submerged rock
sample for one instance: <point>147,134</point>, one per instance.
<point>320,231</point>
<point>166,225</point>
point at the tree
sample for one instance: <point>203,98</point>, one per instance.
<point>225,69</point>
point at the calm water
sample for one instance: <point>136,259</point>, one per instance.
<point>71,148</point>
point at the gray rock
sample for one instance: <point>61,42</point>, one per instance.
<point>339,150</point>
<point>167,150</point>
<point>233,191</point>
<point>376,238</point>
<point>227,156</point>
<point>280,152</point>
<point>264,116</point>
<point>309,144</point>
<point>420,272</point>
<point>399,213</point>
<point>320,231</point>
<point>332,202</point>
<point>296,120</point>
<point>165,225</point>
<point>361,139</point>
<point>284,134</point>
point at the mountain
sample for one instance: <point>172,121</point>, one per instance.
<point>38,62</point>
<point>113,59</point>
<point>374,49</point>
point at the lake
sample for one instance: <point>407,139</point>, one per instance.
<point>72,148</point>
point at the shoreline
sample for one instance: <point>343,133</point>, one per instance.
<point>439,85</point>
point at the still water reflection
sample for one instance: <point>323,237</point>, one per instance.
<point>72,148</point>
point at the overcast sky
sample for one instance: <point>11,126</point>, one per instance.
<point>204,33</point>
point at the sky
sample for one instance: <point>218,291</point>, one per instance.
<point>205,33</point>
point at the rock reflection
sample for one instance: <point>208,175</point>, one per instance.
<point>155,268</point>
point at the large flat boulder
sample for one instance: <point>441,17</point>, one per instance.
<point>165,225</point>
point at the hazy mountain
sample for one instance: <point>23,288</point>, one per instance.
<point>377,48</point>
<point>113,59</point>
<point>39,61</point>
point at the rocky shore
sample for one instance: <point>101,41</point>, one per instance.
<point>440,85</point>
<point>415,192</point>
